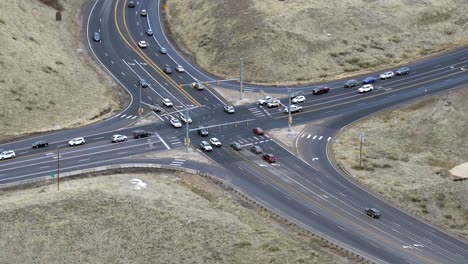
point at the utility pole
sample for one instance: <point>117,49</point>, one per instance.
<point>289,111</point>
<point>241,72</point>
<point>361,139</point>
<point>58,168</point>
<point>187,139</point>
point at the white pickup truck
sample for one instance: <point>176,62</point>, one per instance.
<point>294,109</point>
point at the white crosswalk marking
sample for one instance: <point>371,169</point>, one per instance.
<point>320,138</point>
<point>309,136</point>
<point>314,137</point>
<point>124,115</point>
<point>329,139</point>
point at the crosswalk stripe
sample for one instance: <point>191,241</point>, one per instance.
<point>314,137</point>
<point>309,136</point>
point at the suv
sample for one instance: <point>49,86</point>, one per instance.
<point>202,131</point>
<point>386,75</point>
<point>372,212</point>
<point>256,149</point>
<point>131,4</point>
<point>296,94</point>
<point>141,134</point>
<point>215,142</point>
<point>366,88</point>
<point>229,109</point>
<point>321,90</point>
<point>198,85</point>
<point>258,131</point>
<point>185,119</point>
<point>236,146</point>
<point>167,102</point>
<point>351,83</point>
<point>206,146</point>
<point>265,100</point>
<point>76,141</point>
<point>8,154</point>
<point>142,83</point>
<point>294,108</point>
<point>402,71</point>
<point>97,36</point>
<point>269,157</point>
<point>143,12</point>
<point>118,138</point>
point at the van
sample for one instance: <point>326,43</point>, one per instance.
<point>141,134</point>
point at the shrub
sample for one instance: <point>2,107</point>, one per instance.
<point>54,4</point>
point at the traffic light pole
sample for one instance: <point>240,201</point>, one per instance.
<point>187,139</point>
<point>289,111</point>
<point>241,72</point>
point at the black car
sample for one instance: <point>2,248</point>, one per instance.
<point>40,144</point>
<point>202,131</point>
<point>351,83</point>
<point>167,70</point>
<point>402,71</point>
<point>296,94</point>
<point>372,212</point>
<point>97,36</point>
<point>236,146</point>
<point>131,4</point>
<point>141,134</point>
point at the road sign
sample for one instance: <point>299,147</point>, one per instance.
<point>52,175</point>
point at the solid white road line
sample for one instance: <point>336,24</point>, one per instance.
<point>162,140</point>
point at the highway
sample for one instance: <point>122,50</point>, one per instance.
<point>305,188</point>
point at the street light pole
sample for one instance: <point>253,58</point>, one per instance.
<point>187,139</point>
<point>289,111</point>
<point>361,139</point>
<point>58,168</point>
<point>241,72</point>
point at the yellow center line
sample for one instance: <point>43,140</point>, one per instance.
<point>143,56</point>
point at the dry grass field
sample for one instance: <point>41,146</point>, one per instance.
<point>408,154</point>
<point>45,84</point>
<point>313,40</point>
<point>175,218</point>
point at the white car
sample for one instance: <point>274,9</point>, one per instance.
<point>265,100</point>
<point>215,142</point>
<point>229,109</point>
<point>185,119</point>
<point>76,141</point>
<point>142,44</point>
<point>8,154</point>
<point>198,85</point>
<point>179,68</point>
<point>205,146</point>
<point>119,138</point>
<point>387,75</point>
<point>294,108</point>
<point>167,102</point>
<point>143,12</point>
<point>163,50</point>
<point>298,99</point>
<point>175,122</point>
<point>274,103</point>
<point>366,88</point>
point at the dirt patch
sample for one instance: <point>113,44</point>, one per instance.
<point>234,97</point>
<point>168,217</point>
<point>47,82</point>
<point>304,40</point>
<point>408,154</point>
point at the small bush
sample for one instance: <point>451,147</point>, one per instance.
<point>242,244</point>
<point>54,4</point>
<point>416,200</point>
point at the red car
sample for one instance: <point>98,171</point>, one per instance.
<point>321,90</point>
<point>269,157</point>
<point>258,131</point>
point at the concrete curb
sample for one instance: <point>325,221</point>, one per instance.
<point>145,167</point>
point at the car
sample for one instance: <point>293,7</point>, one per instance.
<point>97,37</point>
<point>149,32</point>
<point>118,138</point>
<point>131,4</point>
<point>372,212</point>
<point>202,131</point>
<point>236,146</point>
<point>369,80</point>
<point>294,109</point>
<point>386,75</point>
<point>402,71</point>
<point>8,154</point>
<point>274,103</point>
<point>175,122</point>
<point>269,157</point>
<point>258,131</point>
<point>167,102</point>
<point>142,83</point>
<point>142,44</point>
<point>198,85</point>
<point>321,90</point>
<point>296,94</point>
<point>143,12</point>
<point>229,109</point>
<point>163,50</point>
<point>215,142</point>
<point>179,68</point>
<point>140,133</point>
<point>187,119</point>
<point>167,70</point>
<point>40,144</point>
<point>351,83</point>
<point>298,99</point>
<point>205,146</point>
<point>366,88</point>
<point>157,108</point>
<point>256,149</point>
<point>267,99</point>
<point>76,141</point>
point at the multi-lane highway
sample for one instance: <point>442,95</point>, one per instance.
<point>306,189</point>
